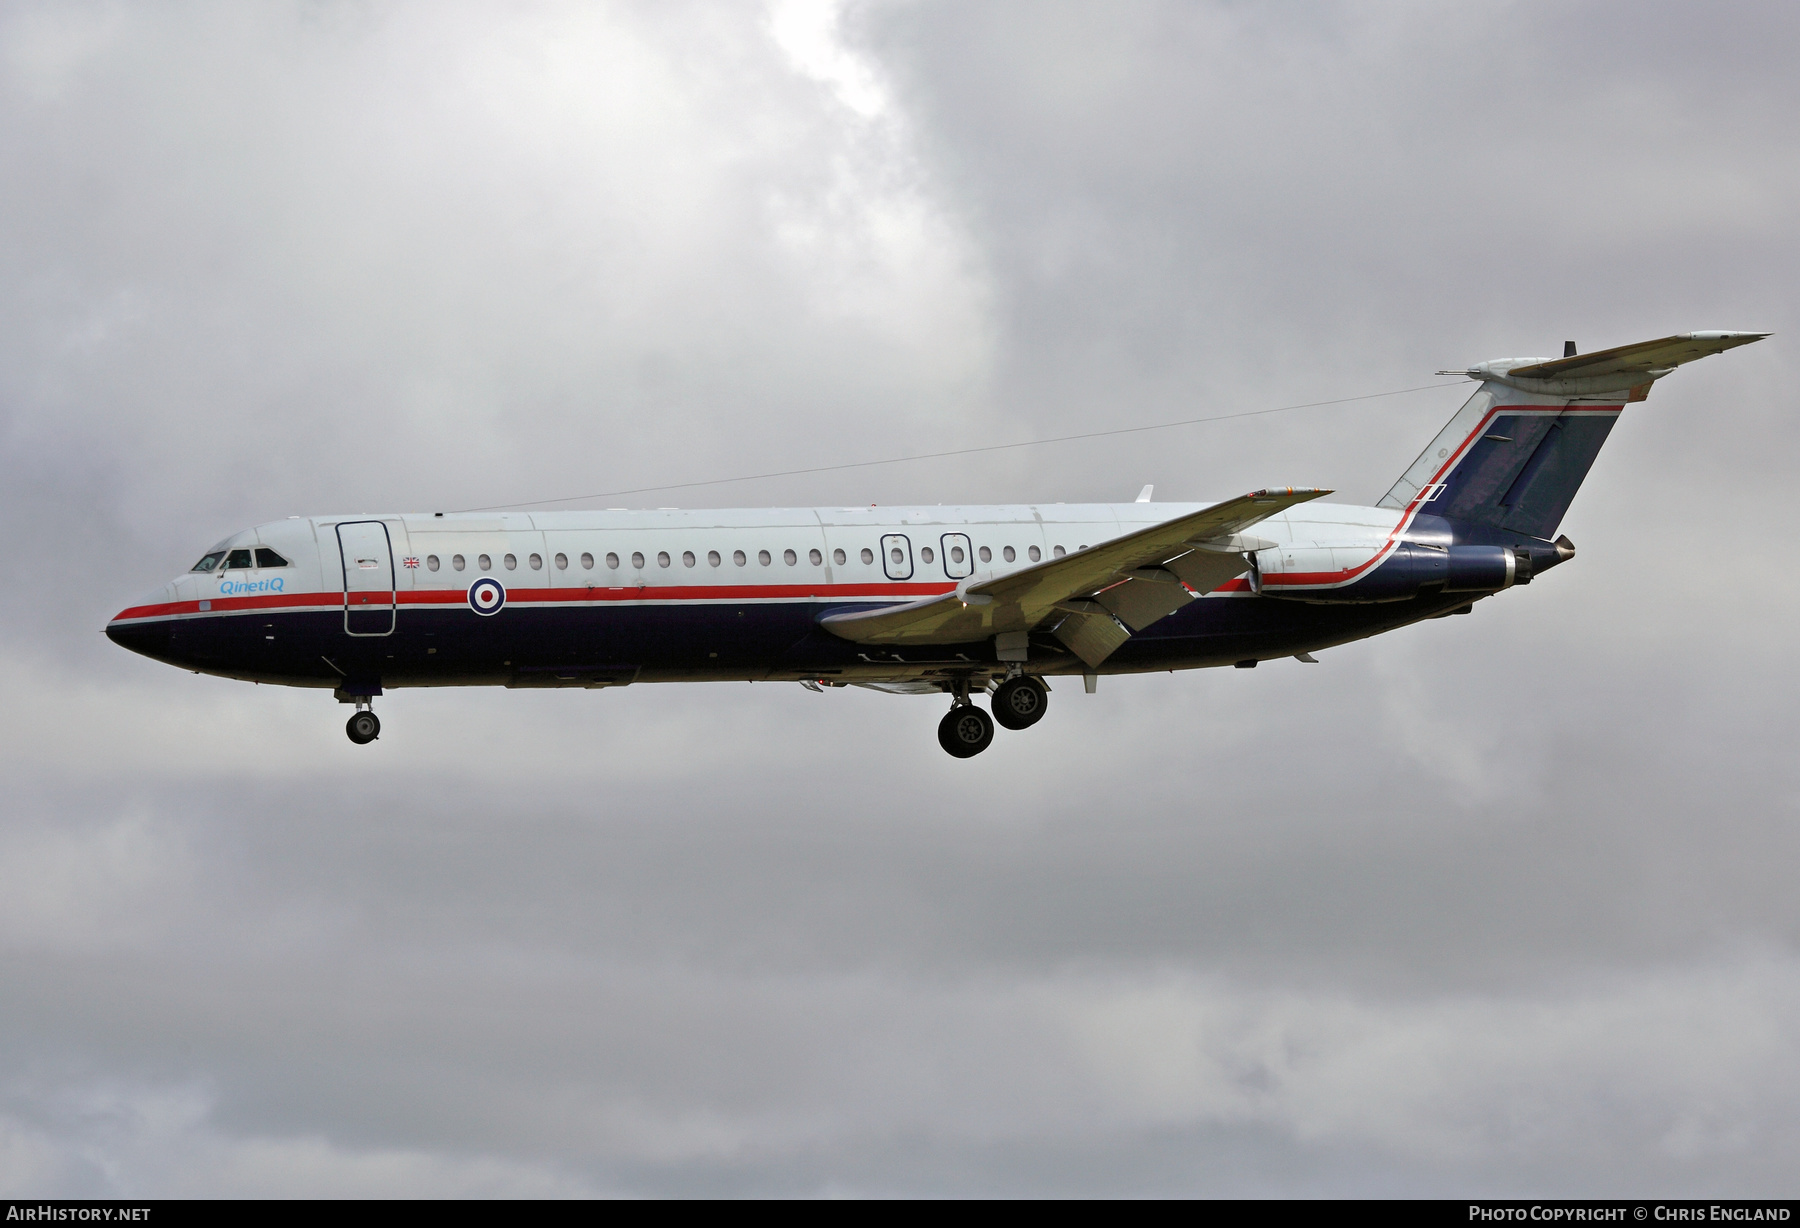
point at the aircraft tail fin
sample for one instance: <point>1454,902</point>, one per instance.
<point>1515,453</point>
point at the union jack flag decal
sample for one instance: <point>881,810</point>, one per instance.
<point>410,562</point>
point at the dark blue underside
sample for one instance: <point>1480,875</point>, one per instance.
<point>585,646</point>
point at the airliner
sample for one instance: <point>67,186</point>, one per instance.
<point>961,602</point>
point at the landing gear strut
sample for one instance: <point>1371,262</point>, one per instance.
<point>364,726</point>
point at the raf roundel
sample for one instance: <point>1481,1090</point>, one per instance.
<point>486,596</point>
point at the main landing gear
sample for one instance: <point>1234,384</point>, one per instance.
<point>364,726</point>
<point>965,730</point>
<point>1018,703</point>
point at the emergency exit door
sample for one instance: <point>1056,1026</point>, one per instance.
<point>896,556</point>
<point>369,597</point>
<point>959,555</point>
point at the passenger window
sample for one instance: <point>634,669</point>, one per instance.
<point>925,553</point>
<point>612,560</point>
<point>662,558</point>
<point>762,556</point>
<point>712,558</point>
<point>266,557</point>
<point>789,557</point>
<point>456,561</point>
<point>537,562</point>
<point>238,558</point>
<point>687,558</point>
<point>487,562</point>
<point>956,554</point>
<point>1036,554</point>
<point>209,562</point>
<point>431,563</point>
<point>737,556</point>
<point>898,555</point>
<point>1059,552</point>
<point>587,561</point>
<point>815,557</point>
<point>837,556</point>
<point>987,556</point>
<point>562,562</point>
<point>1008,554</point>
<point>868,555</point>
<point>637,559</point>
<point>511,561</point>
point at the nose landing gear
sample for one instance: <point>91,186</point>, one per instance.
<point>364,726</point>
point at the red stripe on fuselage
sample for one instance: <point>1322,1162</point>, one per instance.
<point>554,596</point>
<point>227,605</point>
<point>689,592</point>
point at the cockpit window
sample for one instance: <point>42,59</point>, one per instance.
<point>210,561</point>
<point>238,558</point>
<point>266,557</point>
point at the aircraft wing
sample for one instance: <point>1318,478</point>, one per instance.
<point>1093,599</point>
<point>1643,357</point>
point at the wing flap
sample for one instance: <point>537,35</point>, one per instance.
<point>1145,596</point>
<point>1206,567</point>
<point>1089,631</point>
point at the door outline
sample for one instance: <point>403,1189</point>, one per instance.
<point>393,587</point>
<point>896,541</point>
<point>964,569</point>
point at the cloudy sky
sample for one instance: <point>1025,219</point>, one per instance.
<point>1496,905</point>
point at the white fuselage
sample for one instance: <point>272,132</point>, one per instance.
<point>732,554</point>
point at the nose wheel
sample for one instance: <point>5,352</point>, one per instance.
<point>965,731</point>
<point>363,727</point>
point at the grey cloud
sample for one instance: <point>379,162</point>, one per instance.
<point>1494,904</point>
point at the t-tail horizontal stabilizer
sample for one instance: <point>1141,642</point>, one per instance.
<point>1629,366</point>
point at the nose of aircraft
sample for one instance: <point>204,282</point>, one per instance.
<point>138,626</point>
